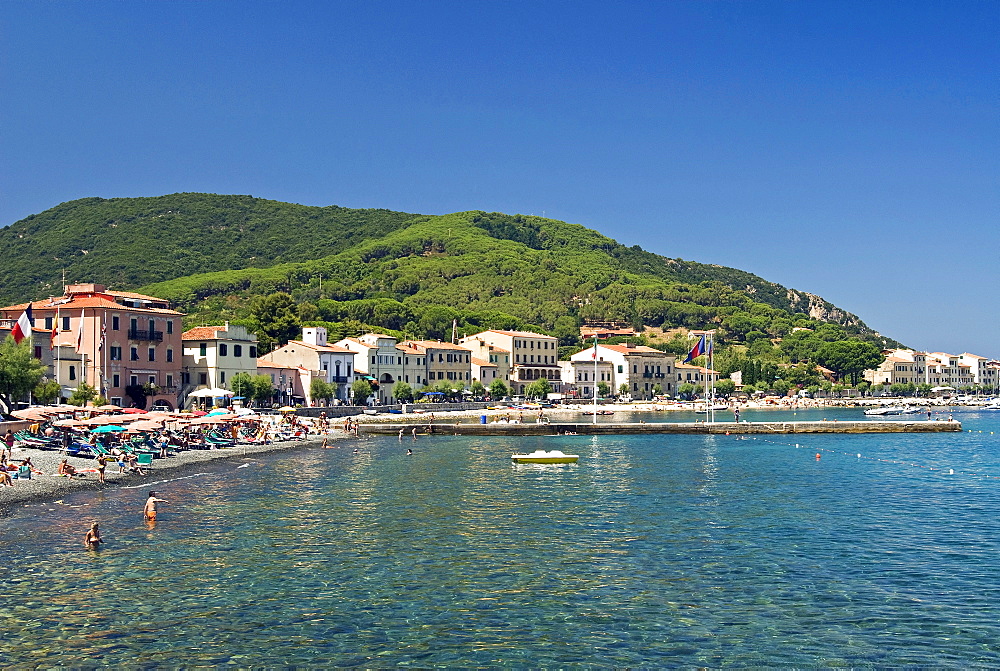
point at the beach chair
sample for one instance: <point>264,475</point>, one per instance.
<point>144,459</point>
<point>24,472</point>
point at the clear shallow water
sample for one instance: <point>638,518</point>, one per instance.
<point>652,551</point>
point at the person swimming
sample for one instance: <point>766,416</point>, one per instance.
<point>149,510</point>
<point>93,540</point>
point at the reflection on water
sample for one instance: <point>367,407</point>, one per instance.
<point>651,551</point>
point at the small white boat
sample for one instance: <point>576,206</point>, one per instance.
<point>884,411</point>
<point>543,457</point>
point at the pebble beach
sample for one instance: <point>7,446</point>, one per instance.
<point>48,486</point>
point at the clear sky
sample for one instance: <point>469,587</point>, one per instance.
<point>849,149</point>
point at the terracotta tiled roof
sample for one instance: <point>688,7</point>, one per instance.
<point>332,349</point>
<point>481,363</point>
<point>202,332</point>
<point>435,344</point>
<point>637,349</point>
<point>520,334</point>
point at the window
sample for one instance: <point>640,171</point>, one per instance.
<point>134,380</point>
<point>223,349</point>
<point>38,351</point>
<point>202,349</point>
<point>152,326</point>
<point>253,351</point>
<point>66,322</point>
<point>202,378</point>
<point>237,350</point>
<point>170,356</point>
<point>115,323</point>
<point>152,379</point>
<point>116,353</point>
<point>48,323</point>
<point>170,326</point>
<point>134,354</point>
<point>170,380</point>
<point>222,377</point>
<point>152,354</point>
<point>619,369</point>
<point>116,380</point>
<point>72,372</point>
<point>134,324</point>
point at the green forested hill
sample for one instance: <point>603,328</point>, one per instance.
<point>264,262</point>
<point>129,242</point>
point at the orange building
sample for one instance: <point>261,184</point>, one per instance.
<point>127,345</point>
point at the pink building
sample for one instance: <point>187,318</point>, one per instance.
<point>126,345</point>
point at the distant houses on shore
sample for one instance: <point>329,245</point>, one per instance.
<point>130,348</point>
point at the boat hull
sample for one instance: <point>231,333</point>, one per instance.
<point>543,457</point>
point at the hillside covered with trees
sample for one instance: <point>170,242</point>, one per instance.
<point>277,266</point>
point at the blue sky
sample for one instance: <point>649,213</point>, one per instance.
<point>849,149</point>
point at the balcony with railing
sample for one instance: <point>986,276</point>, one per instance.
<point>145,334</point>
<point>339,378</point>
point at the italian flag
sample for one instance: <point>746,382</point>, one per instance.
<point>22,329</point>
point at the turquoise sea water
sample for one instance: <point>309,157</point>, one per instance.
<point>652,551</point>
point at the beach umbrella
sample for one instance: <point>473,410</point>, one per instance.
<point>69,422</point>
<point>287,408</point>
<point>34,413</point>
<point>133,411</point>
<point>199,413</point>
<point>107,428</point>
<point>109,408</point>
<point>145,425</point>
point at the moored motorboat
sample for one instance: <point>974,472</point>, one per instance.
<point>543,457</point>
<point>591,413</point>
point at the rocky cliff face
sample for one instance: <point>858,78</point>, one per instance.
<point>818,308</point>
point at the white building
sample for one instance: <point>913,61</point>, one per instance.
<point>534,356</point>
<point>580,377</point>
<point>379,360</point>
<point>642,369</point>
<point>212,355</point>
<point>333,364</point>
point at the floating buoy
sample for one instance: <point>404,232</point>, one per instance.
<point>951,471</point>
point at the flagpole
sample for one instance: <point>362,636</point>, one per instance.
<point>708,374</point>
<point>55,331</point>
<point>708,404</point>
<point>595,378</point>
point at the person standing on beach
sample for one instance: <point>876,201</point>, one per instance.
<point>92,540</point>
<point>8,441</point>
<point>102,463</point>
<point>149,511</point>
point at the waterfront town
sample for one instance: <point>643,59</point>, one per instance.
<point>131,348</point>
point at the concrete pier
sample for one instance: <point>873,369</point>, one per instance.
<point>585,428</point>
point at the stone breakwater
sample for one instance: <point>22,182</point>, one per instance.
<point>605,428</point>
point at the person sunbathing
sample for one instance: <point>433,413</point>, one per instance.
<point>66,469</point>
<point>5,479</point>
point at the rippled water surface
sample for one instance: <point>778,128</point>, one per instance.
<point>652,551</point>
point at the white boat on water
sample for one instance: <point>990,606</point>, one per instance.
<point>878,412</point>
<point>543,457</point>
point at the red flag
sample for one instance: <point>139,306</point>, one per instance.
<point>22,329</point>
<point>697,350</point>
<point>52,338</point>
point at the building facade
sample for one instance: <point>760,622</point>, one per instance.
<point>128,344</point>
<point>644,371</point>
<point>333,364</point>
<point>378,360</point>
<point>534,356</point>
<point>213,355</point>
